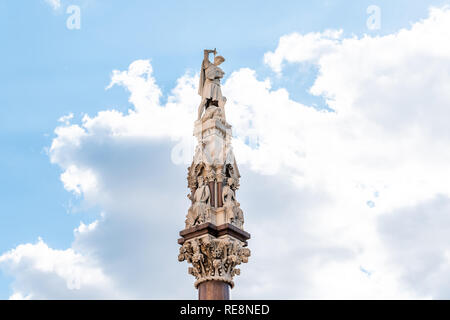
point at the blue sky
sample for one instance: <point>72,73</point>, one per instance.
<point>49,71</point>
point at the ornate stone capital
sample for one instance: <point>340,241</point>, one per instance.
<point>214,258</point>
<point>211,175</point>
<point>220,177</point>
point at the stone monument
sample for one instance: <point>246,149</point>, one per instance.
<point>214,241</point>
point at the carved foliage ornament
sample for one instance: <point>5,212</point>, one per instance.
<point>214,259</point>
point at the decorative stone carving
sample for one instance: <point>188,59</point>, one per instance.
<point>233,212</point>
<point>231,170</point>
<point>214,259</point>
<point>220,176</point>
<point>200,211</point>
<point>228,192</point>
<point>210,175</point>
<point>238,218</point>
<point>214,112</point>
<point>229,202</point>
<point>213,179</point>
<point>192,179</point>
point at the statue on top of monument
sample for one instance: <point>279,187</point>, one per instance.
<point>209,87</point>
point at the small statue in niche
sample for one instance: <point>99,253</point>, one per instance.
<point>199,212</point>
<point>228,193</point>
<point>232,208</point>
<point>228,199</point>
<point>238,219</point>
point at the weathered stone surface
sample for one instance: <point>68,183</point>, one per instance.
<point>214,258</point>
<point>214,240</point>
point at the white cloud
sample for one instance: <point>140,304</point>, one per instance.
<point>418,238</point>
<point>55,4</point>
<point>385,143</point>
<point>19,296</point>
<point>297,47</point>
<point>324,193</point>
<point>41,273</point>
<point>78,180</point>
<point>66,119</point>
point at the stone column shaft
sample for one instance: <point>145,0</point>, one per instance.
<point>219,194</point>
<point>214,290</point>
<point>212,191</point>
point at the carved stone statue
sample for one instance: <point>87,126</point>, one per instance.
<point>197,257</point>
<point>228,199</point>
<point>238,219</point>
<point>199,211</point>
<point>209,87</point>
<point>232,207</point>
<point>228,193</point>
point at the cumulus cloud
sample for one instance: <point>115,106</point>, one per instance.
<point>121,163</point>
<point>325,194</point>
<point>385,143</point>
<point>42,273</point>
<point>297,47</point>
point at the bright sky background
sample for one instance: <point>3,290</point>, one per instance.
<point>352,152</point>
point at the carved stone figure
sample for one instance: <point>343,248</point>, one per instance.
<point>228,193</point>
<point>228,199</point>
<point>232,208</point>
<point>238,219</point>
<point>197,257</point>
<point>217,260</point>
<point>200,210</point>
<point>214,112</point>
<point>209,87</point>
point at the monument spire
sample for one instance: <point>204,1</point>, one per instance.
<point>214,241</point>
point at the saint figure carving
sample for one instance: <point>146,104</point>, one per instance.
<point>228,199</point>
<point>199,211</point>
<point>209,86</point>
